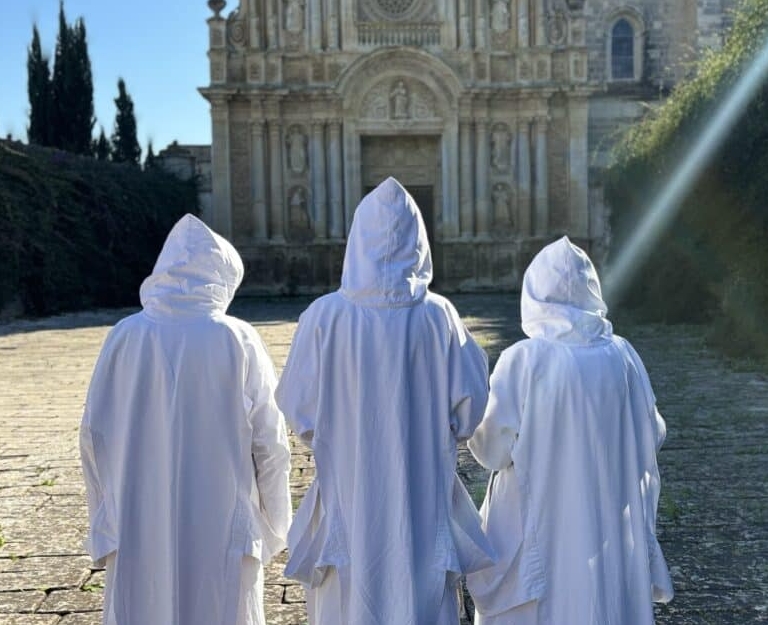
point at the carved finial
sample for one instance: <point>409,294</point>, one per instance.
<point>217,6</point>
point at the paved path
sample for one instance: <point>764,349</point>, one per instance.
<point>714,508</point>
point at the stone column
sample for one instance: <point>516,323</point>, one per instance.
<point>465,192</point>
<point>541,25</point>
<point>221,176</point>
<point>335,179</point>
<point>465,24</point>
<point>578,167</point>
<point>480,25</point>
<point>277,201</point>
<point>541,223</point>
<point>319,198</point>
<point>523,24</point>
<point>332,24</point>
<point>524,176</point>
<point>259,178</point>
<point>272,21</point>
<point>450,180</point>
<point>315,24</point>
<point>481,178</point>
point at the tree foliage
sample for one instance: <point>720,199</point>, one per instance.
<point>71,89</point>
<point>125,145</point>
<point>713,261</point>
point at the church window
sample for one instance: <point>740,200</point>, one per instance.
<point>622,51</point>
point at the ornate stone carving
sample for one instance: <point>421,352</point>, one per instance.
<point>400,100</point>
<point>297,149</point>
<point>500,147</point>
<point>500,16</point>
<point>503,220</point>
<point>396,10</point>
<point>294,16</point>
<point>236,31</point>
<point>217,6</point>
<point>557,28</point>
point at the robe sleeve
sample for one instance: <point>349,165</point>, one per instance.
<point>297,391</point>
<point>658,426</point>
<point>495,437</point>
<point>101,539</point>
<point>271,452</point>
<point>468,380</point>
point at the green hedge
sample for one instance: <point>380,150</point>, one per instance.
<point>712,263</point>
<point>77,233</point>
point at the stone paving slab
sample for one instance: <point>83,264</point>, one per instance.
<point>713,521</point>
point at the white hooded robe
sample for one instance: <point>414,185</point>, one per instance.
<point>382,380</point>
<point>572,429</point>
<point>184,451</point>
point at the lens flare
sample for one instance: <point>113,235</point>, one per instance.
<point>667,203</point>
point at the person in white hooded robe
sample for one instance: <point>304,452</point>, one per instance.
<point>184,451</point>
<point>382,381</point>
<point>572,431</point>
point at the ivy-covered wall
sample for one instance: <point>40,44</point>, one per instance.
<point>77,233</point>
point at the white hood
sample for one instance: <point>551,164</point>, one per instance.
<point>387,261</point>
<point>197,272</point>
<point>561,298</point>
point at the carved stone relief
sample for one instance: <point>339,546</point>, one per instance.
<point>399,100</point>
<point>296,141</point>
<point>294,16</point>
<point>299,225</point>
<point>557,28</point>
<point>236,31</point>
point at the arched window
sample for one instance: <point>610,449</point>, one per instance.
<point>622,50</point>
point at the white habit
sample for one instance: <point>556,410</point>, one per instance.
<point>572,430</point>
<point>382,380</point>
<point>184,451</point>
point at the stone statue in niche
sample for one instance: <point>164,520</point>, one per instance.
<point>297,150</point>
<point>294,16</point>
<point>399,97</point>
<point>502,208</point>
<point>500,148</point>
<point>500,16</point>
<point>299,227</point>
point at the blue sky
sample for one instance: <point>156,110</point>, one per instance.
<point>158,47</point>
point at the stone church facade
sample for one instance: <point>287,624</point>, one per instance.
<point>497,115</point>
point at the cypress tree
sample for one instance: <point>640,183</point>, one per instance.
<point>149,160</point>
<point>60,85</point>
<point>39,90</point>
<point>102,148</point>
<point>125,145</point>
<point>72,89</point>
<point>82,91</point>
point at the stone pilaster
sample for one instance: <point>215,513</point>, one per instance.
<point>541,25</point>
<point>465,24</point>
<point>482,205</point>
<point>481,40</point>
<point>524,177</point>
<point>332,24</point>
<point>259,180</point>
<point>272,22</point>
<point>315,24</point>
<point>450,182</point>
<point>578,166</point>
<point>221,179</point>
<point>523,24</point>
<point>335,179</point>
<point>276,196</point>
<point>465,188</point>
<point>541,221</point>
<point>317,163</point>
